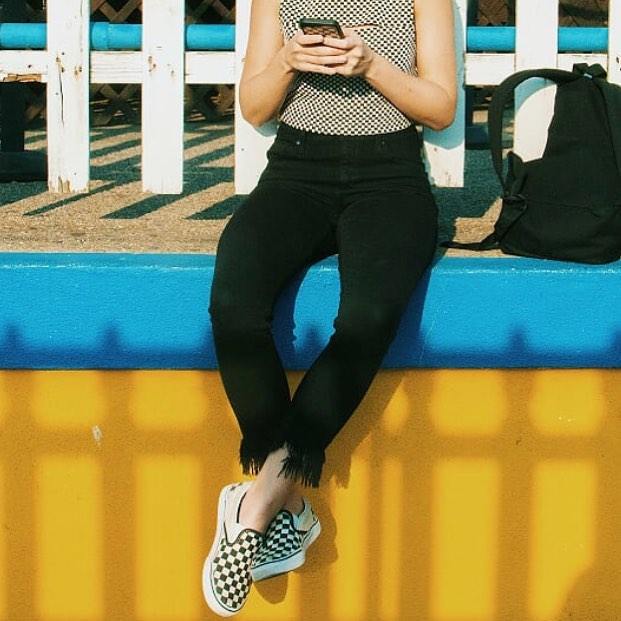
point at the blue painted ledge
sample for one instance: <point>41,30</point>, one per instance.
<point>76,311</point>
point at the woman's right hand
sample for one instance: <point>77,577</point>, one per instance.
<point>306,53</point>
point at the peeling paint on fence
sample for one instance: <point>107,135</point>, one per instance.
<point>68,96</point>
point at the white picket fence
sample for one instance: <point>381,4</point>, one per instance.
<point>163,66</point>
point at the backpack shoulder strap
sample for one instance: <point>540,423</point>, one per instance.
<point>612,98</point>
<point>501,97</point>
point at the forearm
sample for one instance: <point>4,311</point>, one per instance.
<point>420,99</point>
<point>261,95</point>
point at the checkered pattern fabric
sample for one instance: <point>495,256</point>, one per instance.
<point>351,106</point>
<point>282,540</point>
<point>230,575</point>
<point>226,572</point>
<point>285,545</point>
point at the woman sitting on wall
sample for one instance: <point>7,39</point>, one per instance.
<point>344,176</point>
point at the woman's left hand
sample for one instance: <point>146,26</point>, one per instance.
<point>358,54</point>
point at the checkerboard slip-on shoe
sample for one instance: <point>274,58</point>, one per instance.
<point>286,541</point>
<point>226,572</point>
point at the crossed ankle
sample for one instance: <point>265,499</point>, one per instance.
<point>295,504</point>
<point>256,514</point>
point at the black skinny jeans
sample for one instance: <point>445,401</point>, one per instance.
<point>366,198</point>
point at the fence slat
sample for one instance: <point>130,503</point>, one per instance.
<point>446,151</point>
<point>209,68</point>
<point>165,66</point>
<point>23,65</point>
<point>492,69</point>
<point>162,96</point>
<point>250,144</point>
<point>536,45</point>
<point>68,95</point>
<point>614,41</point>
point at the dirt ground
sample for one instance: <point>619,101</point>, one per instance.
<point>116,216</point>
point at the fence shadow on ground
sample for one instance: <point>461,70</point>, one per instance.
<point>117,216</point>
<point>116,185</point>
<point>116,161</point>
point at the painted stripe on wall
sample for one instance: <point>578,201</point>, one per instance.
<point>150,311</point>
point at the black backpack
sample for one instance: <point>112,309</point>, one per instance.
<point>565,205</point>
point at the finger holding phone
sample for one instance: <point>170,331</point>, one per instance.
<point>307,51</point>
<point>346,50</point>
<point>357,53</point>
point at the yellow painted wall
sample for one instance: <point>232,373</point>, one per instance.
<point>451,496</point>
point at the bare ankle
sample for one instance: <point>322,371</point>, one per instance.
<point>268,494</point>
<point>255,513</point>
<point>295,503</point>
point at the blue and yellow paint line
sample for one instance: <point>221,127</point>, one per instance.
<point>71,311</point>
<point>477,482</point>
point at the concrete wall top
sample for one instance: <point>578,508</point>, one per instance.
<point>76,311</point>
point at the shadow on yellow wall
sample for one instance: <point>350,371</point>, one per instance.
<point>450,496</point>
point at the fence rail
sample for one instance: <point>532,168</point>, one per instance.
<point>165,62</point>
<point>105,36</point>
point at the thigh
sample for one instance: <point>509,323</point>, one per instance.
<point>386,242</point>
<point>274,234</point>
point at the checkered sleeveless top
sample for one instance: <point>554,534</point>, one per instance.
<point>350,106</point>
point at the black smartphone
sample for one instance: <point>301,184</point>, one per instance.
<point>325,27</point>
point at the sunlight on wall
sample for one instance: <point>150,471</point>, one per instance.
<point>161,400</point>
<point>392,553</point>
<point>352,515</point>
<point>69,541</point>
<point>465,539</point>
<point>450,496</point>
<point>4,573</point>
<point>168,560</point>
<point>565,403</point>
<point>59,402</point>
<point>482,407</point>
<point>563,532</point>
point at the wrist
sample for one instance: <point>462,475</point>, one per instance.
<point>372,67</point>
<point>285,65</point>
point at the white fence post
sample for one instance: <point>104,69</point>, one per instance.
<point>614,41</point>
<point>536,46</point>
<point>163,79</point>
<point>161,69</point>
<point>446,151</point>
<point>68,95</point>
<point>250,144</point>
